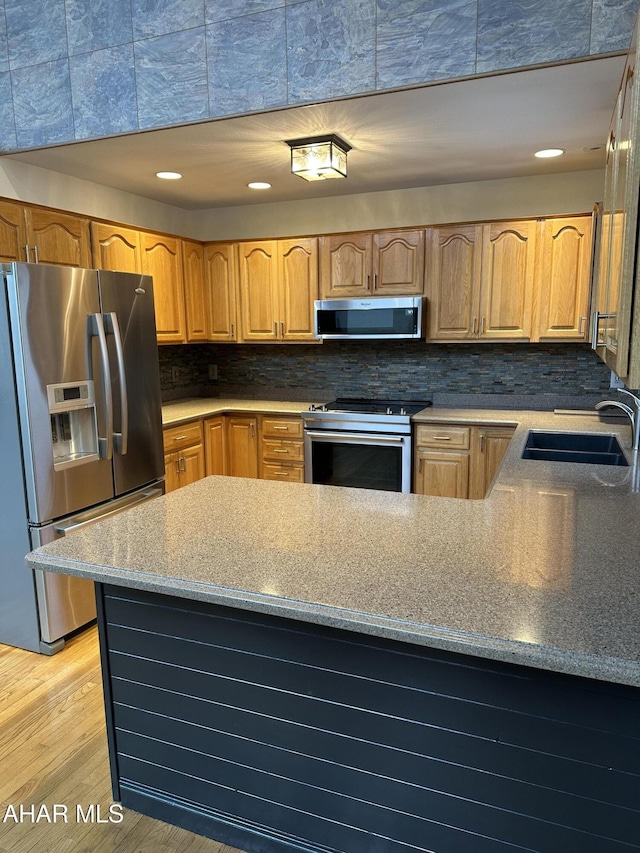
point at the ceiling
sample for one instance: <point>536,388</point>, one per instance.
<point>479,129</point>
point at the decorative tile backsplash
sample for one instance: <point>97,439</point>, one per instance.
<point>175,63</point>
<point>403,369</point>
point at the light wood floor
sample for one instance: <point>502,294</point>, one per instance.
<point>53,750</point>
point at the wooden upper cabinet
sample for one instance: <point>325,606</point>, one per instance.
<point>13,233</point>
<point>454,263</point>
<point>221,286</point>
<point>162,259</point>
<point>525,280</point>
<point>194,290</point>
<point>278,285</point>
<point>298,278</point>
<point>390,263</point>
<point>259,291</point>
<point>345,265</point>
<point>58,238</point>
<point>562,298</point>
<point>398,263</point>
<point>508,270</point>
<point>115,248</point>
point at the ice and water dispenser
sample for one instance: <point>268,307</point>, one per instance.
<point>74,429</point>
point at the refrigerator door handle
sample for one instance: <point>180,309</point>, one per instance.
<point>120,439</point>
<point>97,330</point>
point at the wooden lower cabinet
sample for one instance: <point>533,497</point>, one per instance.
<point>442,460</point>
<point>443,474</point>
<point>242,445</point>
<point>268,447</point>
<point>458,461</point>
<point>488,446</point>
<point>184,459</point>
<point>215,444</point>
<point>282,449</point>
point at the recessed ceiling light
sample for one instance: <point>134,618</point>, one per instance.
<point>549,152</point>
<point>169,176</point>
<point>259,185</point>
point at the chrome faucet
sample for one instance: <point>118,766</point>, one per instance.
<point>634,414</point>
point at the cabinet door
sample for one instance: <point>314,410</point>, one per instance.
<point>13,233</point>
<point>454,255</point>
<point>171,474</point>
<point>622,274</point>
<point>298,277</point>
<point>242,446</point>
<point>58,238</point>
<point>488,446</point>
<point>221,280</point>
<point>562,283</point>
<point>259,291</point>
<point>215,446</point>
<point>604,298</point>
<point>443,474</point>
<point>194,290</point>
<point>346,265</point>
<point>398,263</point>
<point>506,290</point>
<point>191,463</point>
<point>115,248</point>
<point>162,259</point>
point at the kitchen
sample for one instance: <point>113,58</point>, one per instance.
<point>524,370</point>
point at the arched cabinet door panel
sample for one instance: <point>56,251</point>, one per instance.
<point>259,291</point>
<point>454,256</point>
<point>58,238</point>
<point>221,287</point>
<point>162,259</point>
<point>565,269</point>
<point>508,274</point>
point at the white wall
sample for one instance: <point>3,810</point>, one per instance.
<point>573,192</point>
<point>24,182</point>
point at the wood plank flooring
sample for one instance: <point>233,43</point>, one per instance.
<point>53,751</point>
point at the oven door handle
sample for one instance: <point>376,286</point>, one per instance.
<point>352,437</point>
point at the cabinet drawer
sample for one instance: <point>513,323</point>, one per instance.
<point>294,472</point>
<point>182,436</point>
<point>276,450</point>
<point>443,436</point>
<point>281,427</point>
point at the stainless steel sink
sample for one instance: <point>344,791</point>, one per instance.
<point>585,447</point>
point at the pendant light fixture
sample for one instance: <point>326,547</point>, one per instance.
<point>317,158</point>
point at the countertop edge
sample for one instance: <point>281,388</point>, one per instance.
<point>598,667</point>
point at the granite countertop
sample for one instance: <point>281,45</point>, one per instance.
<point>180,411</point>
<point>543,572</point>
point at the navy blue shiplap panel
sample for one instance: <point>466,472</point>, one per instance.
<point>360,744</point>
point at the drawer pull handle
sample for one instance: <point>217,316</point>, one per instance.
<point>180,438</point>
<point>282,473</point>
<point>285,428</point>
<point>441,437</point>
<point>275,450</point>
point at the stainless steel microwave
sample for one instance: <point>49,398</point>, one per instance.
<point>376,318</point>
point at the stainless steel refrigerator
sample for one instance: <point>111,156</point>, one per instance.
<point>80,429</point>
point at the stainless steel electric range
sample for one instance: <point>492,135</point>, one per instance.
<point>364,444</point>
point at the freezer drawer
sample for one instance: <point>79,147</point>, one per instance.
<point>66,603</point>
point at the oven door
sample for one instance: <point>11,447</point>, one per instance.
<point>358,460</point>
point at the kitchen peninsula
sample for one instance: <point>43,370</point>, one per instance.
<point>318,668</point>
